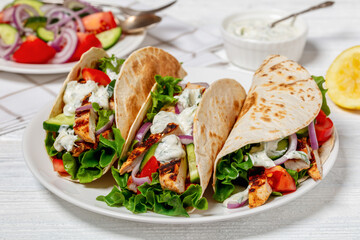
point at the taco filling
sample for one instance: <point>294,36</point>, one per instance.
<point>82,139</point>
<point>160,172</point>
<point>257,170</point>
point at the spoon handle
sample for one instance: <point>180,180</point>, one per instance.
<point>321,5</point>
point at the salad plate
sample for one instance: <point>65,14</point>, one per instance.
<point>84,195</point>
<point>126,44</point>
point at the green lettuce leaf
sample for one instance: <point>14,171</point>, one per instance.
<point>103,115</point>
<point>70,164</point>
<point>297,175</point>
<point>163,94</point>
<point>49,144</point>
<point>153,197</point>
<point>110,88</point>
<point>319,81</point>
<point>90,164</point>
<point>231,168</point>
<point>110,65</point>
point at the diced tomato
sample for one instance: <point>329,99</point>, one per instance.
<point>150,167</point>
<point>96,75</point>
<point>280,180</point>
<point>85,42</point>
<point>58,165</point>
<point>323,127</point>
<point>34,50</point>
<point>99,22</point>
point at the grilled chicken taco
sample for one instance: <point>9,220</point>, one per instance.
<point>82,140</point>
<point>177,135</point>
<point>282,136</point>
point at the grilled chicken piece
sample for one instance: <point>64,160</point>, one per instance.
<point>85,122</point>
<point>168,109</point>
<point>172,175</point>
<point>81,147</point>
<point>195,86</point>
<point>298,164</point>
<point>259,190</point>
<point>112,103</point>
<point>315,172</point>
<point>130,163</point>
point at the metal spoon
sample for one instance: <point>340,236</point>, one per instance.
<point>125,10</point>
<point>136,24</point>
<point>321,5</point>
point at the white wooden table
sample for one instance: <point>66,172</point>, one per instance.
<point>331,210</point>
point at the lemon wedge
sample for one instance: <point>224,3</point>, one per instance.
<point>343,79</point>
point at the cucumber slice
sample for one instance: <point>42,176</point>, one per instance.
<point>109,38</point>
<point>7,33</point>
<point>33,3</point>
<point>53,124</point>
<point>281,149</point>
<point>194,174</point>
<point>35,22</point>
<point>302,132</point>
<point>148,155</point>
<point>44,34</point>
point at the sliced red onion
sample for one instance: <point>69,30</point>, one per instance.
<point>312,136</point>
<point>182,85</point>
<point>139,181</point>
<point>142,131</point>
<point>204,84</point>
<point>232,205</point>
<point>178,108</point>
<point>70,15</point>
<point>186,139</point>
<point>292,147</point>
<point>69,35</point>
<point>83,4</point>
<point>83,108</point>
<point>20,13</point>
<point>106,126</point>
<point>8,14</point>
<point>7,50</point>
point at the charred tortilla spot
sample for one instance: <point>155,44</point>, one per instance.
<point>250,101</point>
<point>265,118</point>
<point>290,77</point>
<point>274,131</point>
<point>263,100</point>
<point>264,75</point>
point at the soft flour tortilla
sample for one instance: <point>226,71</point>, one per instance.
<point>217,112</point>
<point>87,60</point>
<point>283,99</point>
<point>136,81</point>
<point>214,119</point>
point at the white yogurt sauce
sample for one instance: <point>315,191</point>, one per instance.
<point>259,29</point>
<point>237,197</point>
<point>75,93</point>
<point>260,155</point>
<point>65,139</point>
<point>169,148</point>
<point>161,120</point>
<point>189,100</point>
<point>298,155</point>
<point>189,97</point>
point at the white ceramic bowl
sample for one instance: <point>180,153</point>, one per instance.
<point>249,53</point>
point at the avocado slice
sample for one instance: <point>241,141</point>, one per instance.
<point>194,174</point>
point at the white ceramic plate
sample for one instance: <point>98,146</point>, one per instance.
<point>84,196</point>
